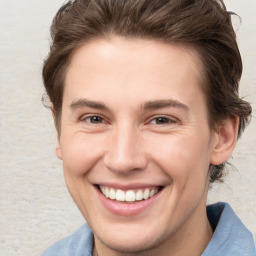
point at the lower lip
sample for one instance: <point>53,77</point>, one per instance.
<point>127,209</point>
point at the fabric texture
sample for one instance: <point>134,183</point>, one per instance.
<point>230,238</point>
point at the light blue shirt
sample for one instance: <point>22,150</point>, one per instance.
<point>230,238</point>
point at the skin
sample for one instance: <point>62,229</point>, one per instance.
<point>149,127</point>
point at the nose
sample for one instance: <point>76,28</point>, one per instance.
<point>125,151</point>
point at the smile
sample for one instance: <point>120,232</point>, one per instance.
<point>129,195</point>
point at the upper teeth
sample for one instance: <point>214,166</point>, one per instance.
<point>129,195</point>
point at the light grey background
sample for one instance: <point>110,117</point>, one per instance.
<point>35,207</point>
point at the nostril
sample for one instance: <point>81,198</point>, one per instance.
<point>125,163</point>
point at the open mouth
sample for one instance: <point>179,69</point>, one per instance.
<point>129,196</point>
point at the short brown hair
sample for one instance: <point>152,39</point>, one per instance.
<point>203,24</point>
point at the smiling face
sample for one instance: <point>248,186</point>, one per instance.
<point>135,143</point>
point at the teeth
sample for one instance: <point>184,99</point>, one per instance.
<point>112,194</point>
<point>120,195</point>
<point>146,194</point>
<point>139,195</point>
<point>152,192</point>
<point>106,192</point>
<point>129,195</point>
<point>102,189</point>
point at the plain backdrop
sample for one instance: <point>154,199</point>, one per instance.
<point>35,207</point>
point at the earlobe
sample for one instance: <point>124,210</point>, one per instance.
<point>225,140</point>
<point>58,150</point>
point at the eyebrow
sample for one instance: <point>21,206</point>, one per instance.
<point>149,105</point>
<point>81,103</point>
<point>158,104</point>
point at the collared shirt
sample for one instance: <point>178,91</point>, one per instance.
<point>230,237</point>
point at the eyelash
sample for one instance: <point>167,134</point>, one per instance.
<point>84,118</point>
<point>153,121</point>
<point>164,118</point>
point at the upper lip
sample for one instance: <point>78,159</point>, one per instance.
<point>128,186</point>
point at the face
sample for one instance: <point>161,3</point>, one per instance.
<point>135,141</point>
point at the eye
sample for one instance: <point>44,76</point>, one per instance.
<point>93,119</point>
<point>162,120</point>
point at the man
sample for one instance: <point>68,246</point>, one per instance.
<point>145,100</point>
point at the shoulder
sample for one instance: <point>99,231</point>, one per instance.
<point>80,243</point>
<point>230,237</point>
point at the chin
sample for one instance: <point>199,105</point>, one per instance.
<point>134,246</point>
<point>133,243</point>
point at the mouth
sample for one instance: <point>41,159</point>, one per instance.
<point>129,196</point>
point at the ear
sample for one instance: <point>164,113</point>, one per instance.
<point>58,147</point>
<point>58,150</point>
<point>225,140</point>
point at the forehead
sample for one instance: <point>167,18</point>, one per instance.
<point>133,67</point>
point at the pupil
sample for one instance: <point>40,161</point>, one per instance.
<point>96,119</point>
<point>161,120</point>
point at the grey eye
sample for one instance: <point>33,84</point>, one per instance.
<point>94,119</point>
<point>161,120</point>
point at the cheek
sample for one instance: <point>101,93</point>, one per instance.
<point>80,154</point>
<point>186,163</point>
<point>184,158</point>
